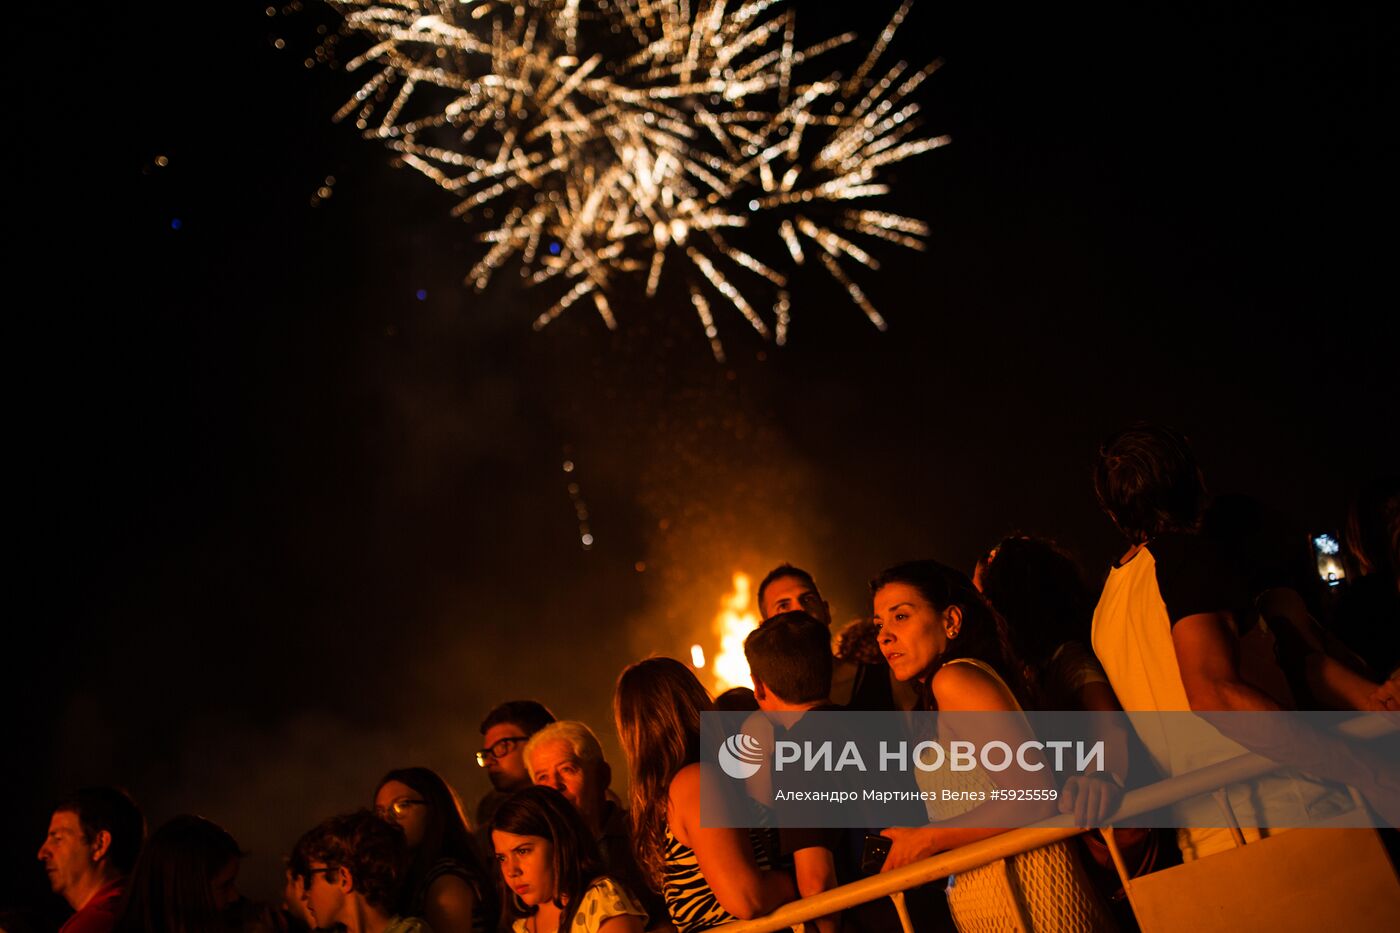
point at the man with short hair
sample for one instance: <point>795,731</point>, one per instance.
<point>351,868</point>
<point>567,756</point>
<point>855,685</point>
<point>94,837</point>
<point>789,658</point>
<point>790,663</point>
<point>505,731</point>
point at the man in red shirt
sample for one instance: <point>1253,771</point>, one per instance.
<point>94,837</point>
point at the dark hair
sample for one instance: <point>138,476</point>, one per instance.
<point>543,811</point>
<point>530,715</point>
<point>111,810</point>
<point>657,707</point>
<point>446,835</point>
<point>983,635</point>
<point>170,891</point>
<point>1041,593</point>
<point>371,848</point>
<point>1147,480</point>
<point>736,700</point>
<point>778,573</point>
<point>790,654</point>
<point>858,641</point>
<point>1373,528</point>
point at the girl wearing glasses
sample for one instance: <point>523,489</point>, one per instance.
<point>446,883</point>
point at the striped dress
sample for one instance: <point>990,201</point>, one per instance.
<point>689,899</point>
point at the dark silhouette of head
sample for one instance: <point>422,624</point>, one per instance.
<point>1041,593</point>
<point>1148,482</point>
<point>171,889</point>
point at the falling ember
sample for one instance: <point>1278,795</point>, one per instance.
<point>697,656</point>
<point>732,624</point>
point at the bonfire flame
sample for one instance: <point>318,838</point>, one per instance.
<point>733,623</point>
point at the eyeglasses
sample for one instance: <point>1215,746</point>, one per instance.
<point>499,750</point>
<point>330,873</point>
<point>400,807</point>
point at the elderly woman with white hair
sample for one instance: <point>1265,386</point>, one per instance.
<point>568,757</point>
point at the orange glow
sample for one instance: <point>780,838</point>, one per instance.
<point>734,621</point>
<point>697,656</point>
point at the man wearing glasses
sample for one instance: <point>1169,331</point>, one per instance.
<point>351,868</point>
<point>504,732</point>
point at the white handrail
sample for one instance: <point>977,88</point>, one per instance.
<point>1013,842</point>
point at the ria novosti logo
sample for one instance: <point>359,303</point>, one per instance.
<point>741,756</point>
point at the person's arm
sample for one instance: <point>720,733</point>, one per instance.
<point>1205,651</point>
<point>1093,798</point>
<point>449,905</point>
<point>963,687</point>
<point>816,872</point>
<point>725,855</point>
<point>626,923</point>
<point>1329,670</point>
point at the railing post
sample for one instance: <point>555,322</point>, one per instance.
<point>902,911</point>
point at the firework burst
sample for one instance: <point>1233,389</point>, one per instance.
<point>598,141</point>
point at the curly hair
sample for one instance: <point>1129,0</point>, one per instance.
<point>1148,482</point>
<point>370,847</point>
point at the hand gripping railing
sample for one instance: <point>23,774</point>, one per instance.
<point>1013,842</point>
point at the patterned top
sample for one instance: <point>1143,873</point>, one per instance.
<point>604,900</point>
<point>407,925</point>
<point>689,899</point>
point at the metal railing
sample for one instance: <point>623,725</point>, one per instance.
<point>1156,796</point>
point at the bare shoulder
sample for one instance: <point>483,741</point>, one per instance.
<point>686,782</point>
<point>969,687</point>
<point>450,889</point>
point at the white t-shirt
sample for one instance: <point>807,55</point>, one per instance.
<point>1173,577</point>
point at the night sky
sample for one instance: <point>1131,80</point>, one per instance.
<point>284,525</point>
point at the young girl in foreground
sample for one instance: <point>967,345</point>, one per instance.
<point>551,871</point>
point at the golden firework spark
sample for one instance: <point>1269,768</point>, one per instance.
<point>612,141</point>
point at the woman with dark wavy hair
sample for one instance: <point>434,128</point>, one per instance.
<point>184,880</point>
<point>707,875</point>
<point>551,871</point>
<point>937,631</point>
<point>446,883</point>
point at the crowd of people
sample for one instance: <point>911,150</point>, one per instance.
<point>1178,625</point>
